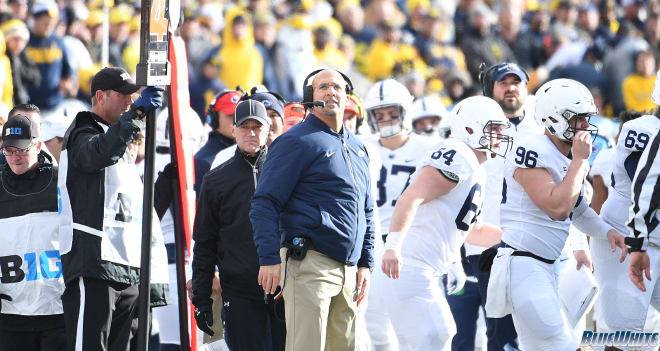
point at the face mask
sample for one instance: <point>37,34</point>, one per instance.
<point>390,131</point>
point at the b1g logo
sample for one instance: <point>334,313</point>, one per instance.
<point>46,265</point>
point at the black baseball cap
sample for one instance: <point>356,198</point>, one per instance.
<point>114,78</point>
<point>251,109</point>
<point>19,132</point>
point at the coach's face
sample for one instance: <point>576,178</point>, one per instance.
<point>330,87</point>
<point>510,92</point>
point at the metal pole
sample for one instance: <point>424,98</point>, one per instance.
<point>179,236</point>
<point>147,220</point>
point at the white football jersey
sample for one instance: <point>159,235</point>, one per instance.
<point>394,176</point>
<point>526,227</point>
<point>602,166</point>
<point>634,137</point>
<point>441,225</point>
<point>494,169</point>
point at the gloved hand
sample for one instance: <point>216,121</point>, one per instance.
<point>151,99</point>
<point>204,316</point>
<point>4,297</point>
<point>455,278</point>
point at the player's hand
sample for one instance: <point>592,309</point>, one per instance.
<point>639,263</point>
<point>583,259</point>
<point>363,282</point>
<point>392,263</point>
<point>217,289</point>
<point>150,99</point>
<point>581,145</point>
<point>269,277</point>
<point>189,288</point>
<point>204,316</point>
<point>617,240</point>
<point>455,278</point>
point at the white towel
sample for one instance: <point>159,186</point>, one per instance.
<point>498,302</point>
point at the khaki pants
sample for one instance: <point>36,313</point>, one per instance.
<point>320,309</point>
<point>217,322</point>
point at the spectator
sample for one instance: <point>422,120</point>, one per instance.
<point>33,320</point>
<point>24,70</point>
<point>197,41</point>
<point>220,118</point>
<point>204,86</point>
<point>566,15</point>
<point>326,36</point>
<point>100,221</point>
<point>47,50</point>
<point>529,50</point>
<point>479,45</point>
<point>389,53</point>
<point>294,56</point>
<point>238,50</point>
<point>637,87</point>
<point>652,33</point>
<point>120,17</point>
<point>431,48</point>
<point>301,186</point>
<point>6,81</point>
<point>265,33</point>
<point>19,8</point>
<point>461,17</point>
<point>633,13</point>
<point>224,239</point>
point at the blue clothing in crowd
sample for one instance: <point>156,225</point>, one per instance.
<point>54,65</point>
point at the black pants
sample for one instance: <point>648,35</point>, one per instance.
<point>99,315</point>
<point>247,323</point>
<point>43,340</point>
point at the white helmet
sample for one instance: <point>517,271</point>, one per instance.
<point>559,100</point>
<point>387,93</point>
<point>431,107</point>
<point>470,120</point>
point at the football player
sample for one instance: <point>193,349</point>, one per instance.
<point>430,118</point>
<point>431,220</point>
<point>389,104</point>
<point>543,195</point>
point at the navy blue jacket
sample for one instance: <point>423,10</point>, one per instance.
<point>206,154</point>
<point>315,183</point>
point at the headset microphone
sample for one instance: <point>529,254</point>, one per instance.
<point>319,103</point>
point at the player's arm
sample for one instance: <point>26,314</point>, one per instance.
<point>430,184</point>
<point>484,234</point>
<point>558,200</point>
<point>600,193</point>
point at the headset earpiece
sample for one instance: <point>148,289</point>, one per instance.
<point>308,91</point>
<point>212,114</point>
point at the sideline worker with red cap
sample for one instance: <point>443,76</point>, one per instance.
<point>101,214</point>
<point>32,319</point>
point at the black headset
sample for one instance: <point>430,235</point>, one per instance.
<point>308,90</point>
<point>253,92</point>
<point>211,114</point>
<point>486,76</point>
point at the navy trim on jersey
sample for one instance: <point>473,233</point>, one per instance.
<point>631,162</point>
<point>639,184</point>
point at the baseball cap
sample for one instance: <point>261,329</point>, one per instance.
<point>295,110</point>
<point>508,68</point>
<point>251,109</point>
<point>226,102</point>
<point>46,6</point>
<point>351,105</point>
<point>54,126</point>
<point>270,102</point>
<point>15,28</point>
<point>114,78</point>
<point>19,131</point>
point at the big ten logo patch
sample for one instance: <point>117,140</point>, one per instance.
<point>45,265</point>
<point>14,131</point>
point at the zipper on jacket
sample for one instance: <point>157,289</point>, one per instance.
<point>254,171</point>
<point>355,188</point>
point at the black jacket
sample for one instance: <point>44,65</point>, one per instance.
<point>223,232</point>
<point>90,147</point>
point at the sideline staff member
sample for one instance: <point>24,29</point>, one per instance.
<point>316,185</point>
<point>101,220</point>
<point>29,255</point>
<point>223,237</point>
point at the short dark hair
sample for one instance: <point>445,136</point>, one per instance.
<point>24,108</point>
<point>629,115</point>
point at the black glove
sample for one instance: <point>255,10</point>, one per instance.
<point>4,297</point>
<point>204,316</point>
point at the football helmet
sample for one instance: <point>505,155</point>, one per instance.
<point>558,101</point>
<point>472,122</point>
<point>388,93</point>
<point>431,107</point>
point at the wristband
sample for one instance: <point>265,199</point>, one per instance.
<point>634,244</point>
<point>394,241</point>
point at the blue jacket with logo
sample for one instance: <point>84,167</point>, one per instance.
<point>315,183</point>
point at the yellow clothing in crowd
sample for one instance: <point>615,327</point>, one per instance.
<point>382,57</point>
<point>240,60</point>
<point>637,91</point>
<point>6,79</point>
